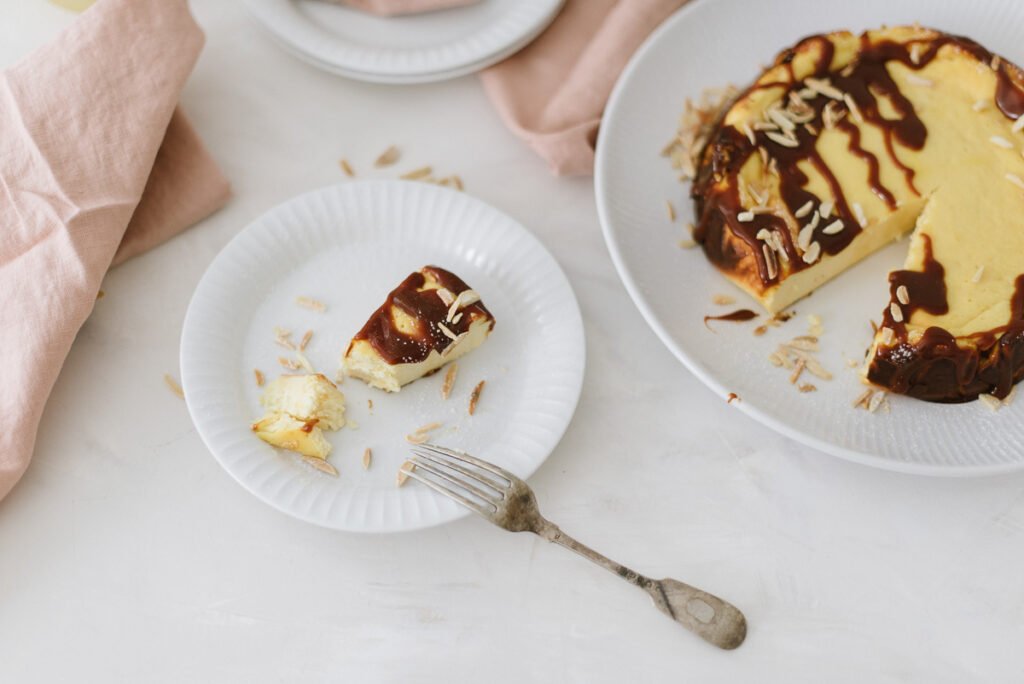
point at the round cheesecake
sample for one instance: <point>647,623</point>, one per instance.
<point>849,142</point>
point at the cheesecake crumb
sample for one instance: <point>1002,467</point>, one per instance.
<point>732,397</point>
<point>304,342</point>
<point>311,304</point>
<point>814,325</point>
<point>369,405</point>
<point>760,330</point>
<point>173,385</point>
<point>990,402</point>
<point>260,378</point>
<point>474,397</point>
<point>417,438</point>
<point>387,157</point>
<point>321,465</point>
<point>449,380</point>
<point>429,427</point>
<point>457,182</point>
<point>807,387</point>
<point>288,363</point>
<point>346,168</point>
<point>686,244</point>
<point>367,458</point>
<point>670,210</point>
<point>723,300</point>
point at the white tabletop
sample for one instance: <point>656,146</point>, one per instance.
<point>127,554</point>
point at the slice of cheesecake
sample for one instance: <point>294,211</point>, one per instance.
<point>299,409</point>
<point>431,318</point>
<point>848,142</point>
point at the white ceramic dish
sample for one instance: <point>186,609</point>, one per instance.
<point>419,48</point>
<point>348,246</point>
<point>713,42</point>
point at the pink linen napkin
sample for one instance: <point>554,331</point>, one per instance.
<point>95,161</point>
<point>552,93</point>
<point>395,7</point>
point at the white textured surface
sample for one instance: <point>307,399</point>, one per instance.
<point>633,182</point>
<point>129,555</point>
<point>416,48</point>
<point>347,246</point>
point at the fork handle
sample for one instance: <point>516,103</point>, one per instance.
<point>709,617</point>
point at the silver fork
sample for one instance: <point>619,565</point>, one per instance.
<point>509,503</point>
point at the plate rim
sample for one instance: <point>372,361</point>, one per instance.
<point>602,196</point>
<point>573,397</point>
<point>414,77</point>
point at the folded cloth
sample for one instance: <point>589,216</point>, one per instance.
<point>393,7</point>
<point>552,93</point>
<point>94,161</point>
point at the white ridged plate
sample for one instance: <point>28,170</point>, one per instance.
<point>417,48</point>
<point>710,43</point>
<point>348,246</point>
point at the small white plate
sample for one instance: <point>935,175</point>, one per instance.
<point>348,246</point>
<point>419,48</point>
<point>710,43</point>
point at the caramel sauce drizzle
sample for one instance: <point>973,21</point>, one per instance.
<point>936,367</point>
<point>428,309</point>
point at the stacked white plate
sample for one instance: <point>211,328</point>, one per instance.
<point>419,48</point>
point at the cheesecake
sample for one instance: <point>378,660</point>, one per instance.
<point>848,142</point>
<point>430,319</point>
<point>298,410</point>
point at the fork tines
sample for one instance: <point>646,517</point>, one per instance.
<point>476,484</point>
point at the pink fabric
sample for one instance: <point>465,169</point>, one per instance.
<point>395,7</point>
<point>89,129</point>
<point>552,93</point>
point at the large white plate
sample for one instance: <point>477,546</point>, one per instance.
<point>348,246</point>
<point>713,42</point>
<point>418,48</point>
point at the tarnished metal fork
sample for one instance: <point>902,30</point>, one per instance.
<point>509,503</point>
